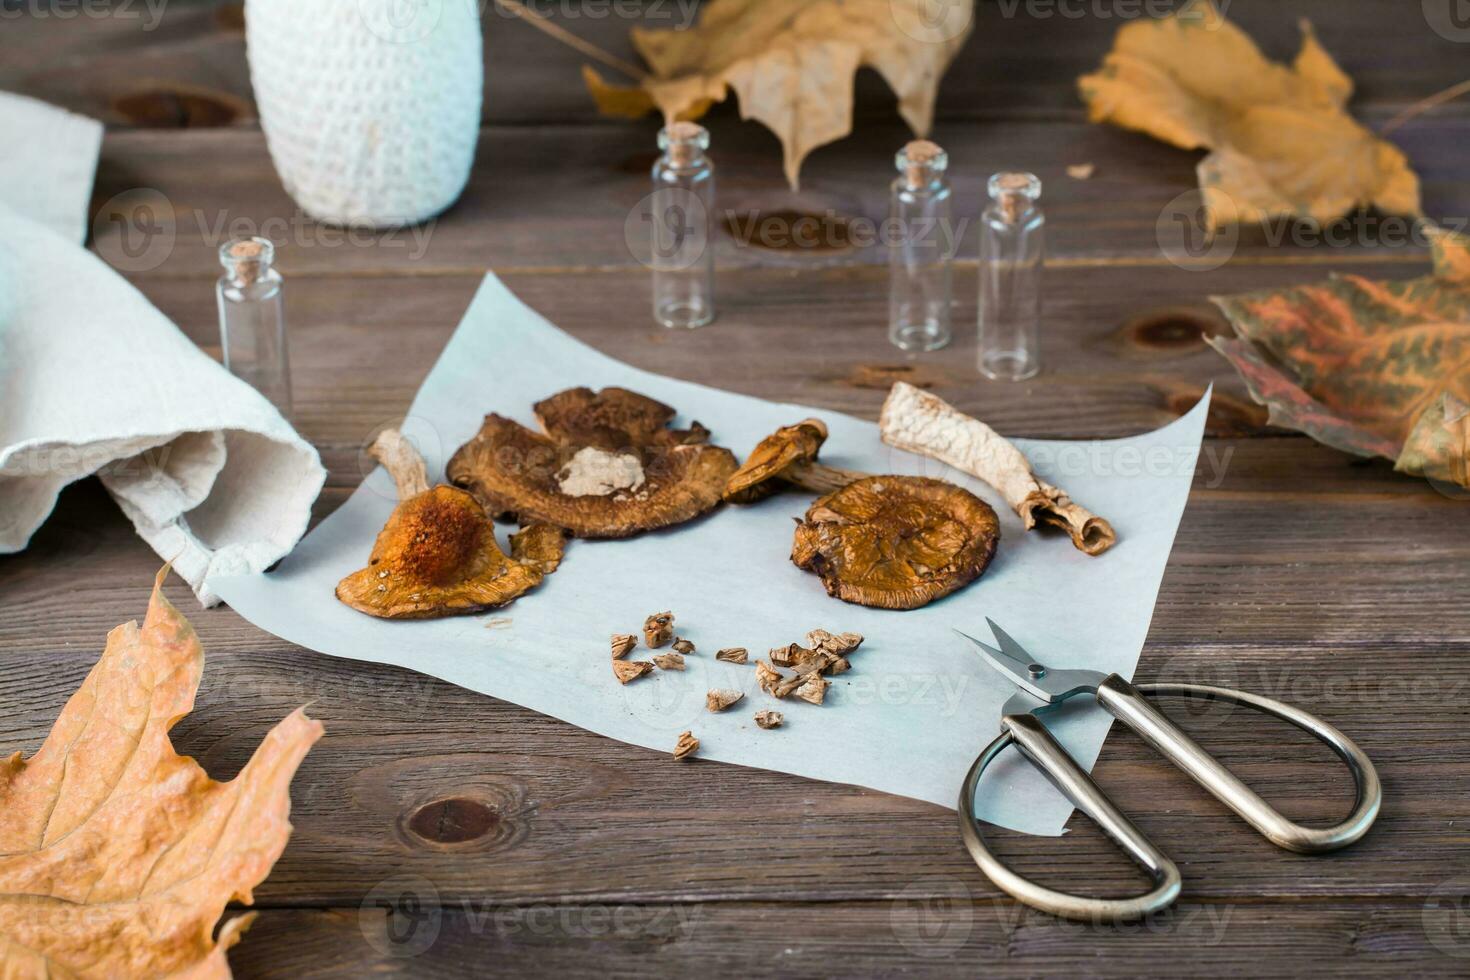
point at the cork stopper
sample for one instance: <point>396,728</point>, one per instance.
<point>247,259</point>
<point>683,141</point>
<point>921,162</point>
<point>1014,192</point>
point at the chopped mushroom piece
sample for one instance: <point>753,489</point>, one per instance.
<point>658,629</point>
<point>922,423</point>
<point>838,643</point>
<point>436,555</point>
<point>787,457</point>
<point>720,700</point>
<point>683,646</point>
<point>606,465</point>
<point>896,542</point>
<point>769,719</point>
<point>790,655</point>
<point>630,670</point>
<point>814,690</point>
<point>669,661</point>
<point>687,745</point>
<point>733,655</point>
<point>768,677</point>
<point>623,644</point>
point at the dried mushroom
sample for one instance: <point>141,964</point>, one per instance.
<point>768,677</point>
<point>814,689</point>
<point>606,465</point>
<point>896,542</point>
<point>436,555</point>
<point>921,422</point>
<point>732,655</point>
<point>787,457</point>
<point>769,719</point>
<point>683,646</point>
<point>686,746</point>
<point>630,670</point>
<point>658,629</point>
<point>623,644</point>
<point>721,699</point>
<point>669,661</point>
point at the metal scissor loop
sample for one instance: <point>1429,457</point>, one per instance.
<point>1040,687</point>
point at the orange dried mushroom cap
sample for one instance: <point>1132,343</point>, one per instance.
<point>437,556</point>
<point>896,542</point>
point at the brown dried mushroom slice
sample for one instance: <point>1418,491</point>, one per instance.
<point>896,542</point>
<point>613,418</point>
<point>787,457</point>
<point>437,556</point>
<point>600,473</point>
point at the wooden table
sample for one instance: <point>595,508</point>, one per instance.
<point>535,847</point>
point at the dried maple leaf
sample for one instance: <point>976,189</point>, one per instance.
<point>1282,141</point>
<point>792,64</point>
<point>1374,368</point>
<point>117,856</point>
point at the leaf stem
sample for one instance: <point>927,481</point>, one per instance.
<point>544,24</point>
<point>1424,105</point>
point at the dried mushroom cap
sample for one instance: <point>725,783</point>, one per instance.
<point>437,556</point>
<point>787,457</point>
<point>896,542</point>
<point>613,418</point>
<point>606,467</point>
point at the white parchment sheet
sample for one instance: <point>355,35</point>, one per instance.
<point>918,704</point>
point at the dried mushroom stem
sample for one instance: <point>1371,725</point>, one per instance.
<point>819,477</point>
<point>402,461</point>
<point>919,422</point>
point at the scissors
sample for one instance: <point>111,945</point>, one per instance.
<point>1041,687</point>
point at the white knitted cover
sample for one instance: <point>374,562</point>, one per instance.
<point>371,108</point>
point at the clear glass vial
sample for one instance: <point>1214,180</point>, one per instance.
<point>920,250</point>
<point>1012,244</point>
<point>682,207</point>
<point>252,321</point>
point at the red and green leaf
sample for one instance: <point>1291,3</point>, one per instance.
<point>1370,367</point>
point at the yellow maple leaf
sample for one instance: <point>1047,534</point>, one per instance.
<point>1281,138</point>
<point>117,855</point>
<point>792,64</point>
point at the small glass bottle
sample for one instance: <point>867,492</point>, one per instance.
<point>1012,239</point>
<point>252,322</point>
<point>920,251</point>
<point>683,205</point>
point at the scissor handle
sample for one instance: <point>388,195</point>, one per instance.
<point>1047,754</point>
<point>1128,704</point>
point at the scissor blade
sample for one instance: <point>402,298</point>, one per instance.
<point>1009,646</point>
<point>1014,669</point>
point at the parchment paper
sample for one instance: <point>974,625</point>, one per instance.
<point>918,704</point>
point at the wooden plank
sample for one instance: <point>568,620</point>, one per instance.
<point>1330,620</point>
<point>910,936</point>
<point>559,196</point>
<point>187,68</point>
<point>1123,352</point>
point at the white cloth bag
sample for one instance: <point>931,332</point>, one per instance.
<point>95,380</point>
